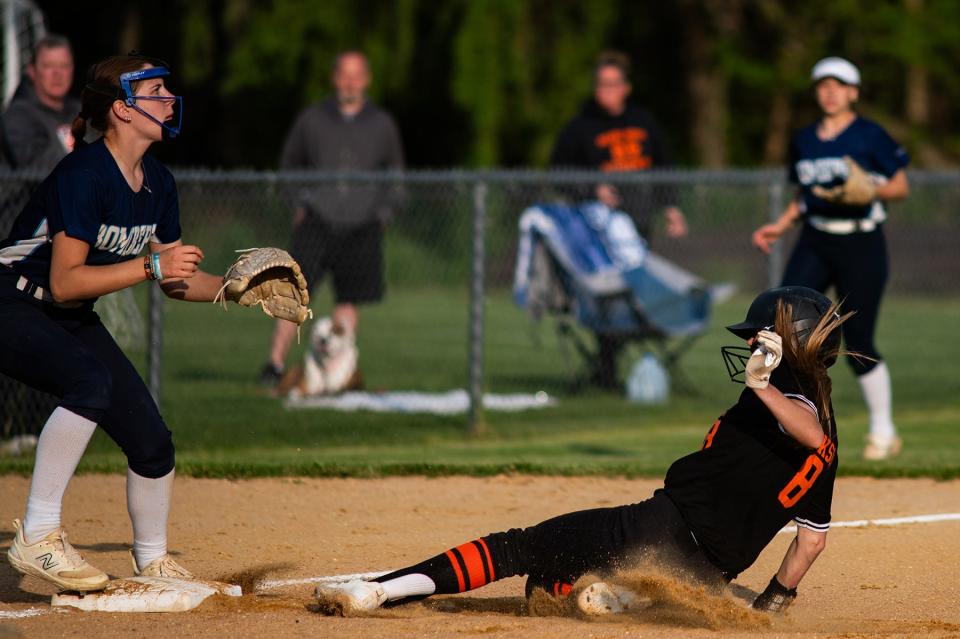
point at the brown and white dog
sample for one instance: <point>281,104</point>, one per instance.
<point>330,365</point>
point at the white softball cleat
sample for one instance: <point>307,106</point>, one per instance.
<point>163,567</point>
<point>53,559</point>
<point>602,598</point>
<point>880,448</point>
<point>352,596</point>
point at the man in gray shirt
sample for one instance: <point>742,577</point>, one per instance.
<point>36,130</point>
<point>338,227</point>
<point>37,122</point>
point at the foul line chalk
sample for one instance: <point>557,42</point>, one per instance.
<point>330,579</point>
<point>893,521</point>
<point>856,523</point>
<point>20,614</point>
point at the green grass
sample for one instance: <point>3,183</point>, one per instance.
<point>416,339</point>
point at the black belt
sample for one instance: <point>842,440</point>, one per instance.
<point>37,292</point>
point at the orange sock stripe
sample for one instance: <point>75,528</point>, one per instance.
<point>474,564</point>
<point>456,569</point>
<point>486,552</point>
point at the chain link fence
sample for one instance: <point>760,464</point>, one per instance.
<point>448,319</point>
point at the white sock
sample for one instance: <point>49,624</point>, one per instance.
<point>61,444</point>
<point>876,392</point>
<point>148,502</point>
<point>413,585</point>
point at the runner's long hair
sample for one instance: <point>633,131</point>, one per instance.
<point>809,359</point>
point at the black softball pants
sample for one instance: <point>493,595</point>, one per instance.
<point>68,353</point>
<point>857,266</point>
<point>555,553</point>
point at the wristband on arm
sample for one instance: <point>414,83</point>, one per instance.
<point>155,259</point>
<point>151,266</point>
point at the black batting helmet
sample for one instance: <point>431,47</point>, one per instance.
<point>808,307</point>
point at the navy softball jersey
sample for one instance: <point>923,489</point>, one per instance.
<point>820,162</point>
<point>64,349</point>
<point>87,197</point>
<point>851,257</point>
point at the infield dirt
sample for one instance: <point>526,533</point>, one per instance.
<point>883,581</point>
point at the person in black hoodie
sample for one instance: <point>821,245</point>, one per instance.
<point>612,134</point>
<point>34,134</point>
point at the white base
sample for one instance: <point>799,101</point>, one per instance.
<point>146,594</point>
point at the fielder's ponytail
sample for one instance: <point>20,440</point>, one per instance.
<point>79,130</point>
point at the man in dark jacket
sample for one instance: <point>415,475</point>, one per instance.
<point>613,135</point>
<point>35,135</point>
<point>37,122</point>
<point>338,228</point>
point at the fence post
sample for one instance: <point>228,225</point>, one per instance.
<point>477,274</point>
<point>775,261</point>
<point>154,340</point>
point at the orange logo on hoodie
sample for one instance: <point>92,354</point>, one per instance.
<point>626,149</point>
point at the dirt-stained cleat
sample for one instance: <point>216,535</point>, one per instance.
<point>602,598</point>
<point>880,448</point>
<point>163,567</point>
<point>351,597</point>
<point>53,559</point>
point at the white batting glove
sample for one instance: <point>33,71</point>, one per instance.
<point>768,351</point>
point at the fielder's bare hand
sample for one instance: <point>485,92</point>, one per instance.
<point>765,236</point>
<point>181,262</point>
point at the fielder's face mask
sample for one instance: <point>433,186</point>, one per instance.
<point>130,99</point>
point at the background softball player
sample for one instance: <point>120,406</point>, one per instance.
<point>770,458</point>
<point>77,239</point>
<point>845,167</point>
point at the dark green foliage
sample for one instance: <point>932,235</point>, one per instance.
<point>491,82</point>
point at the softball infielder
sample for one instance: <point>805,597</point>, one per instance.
<point>770,458</point>
<point>842,242</point>
<point>77,239</point>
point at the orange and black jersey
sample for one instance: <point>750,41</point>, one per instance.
<point>751,478</point>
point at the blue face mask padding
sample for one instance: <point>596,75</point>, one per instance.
<point>131,100</point>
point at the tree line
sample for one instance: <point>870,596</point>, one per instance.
<point>486,83</point>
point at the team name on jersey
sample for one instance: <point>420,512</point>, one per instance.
<point>821,170</point>
<point>124,240</point>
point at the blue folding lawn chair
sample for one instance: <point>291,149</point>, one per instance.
<point>587,266</point>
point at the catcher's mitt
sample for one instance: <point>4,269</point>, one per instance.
<point>271,278</point>
<point>857,190</point>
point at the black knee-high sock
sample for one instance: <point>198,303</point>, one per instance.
<point>472,564</point>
